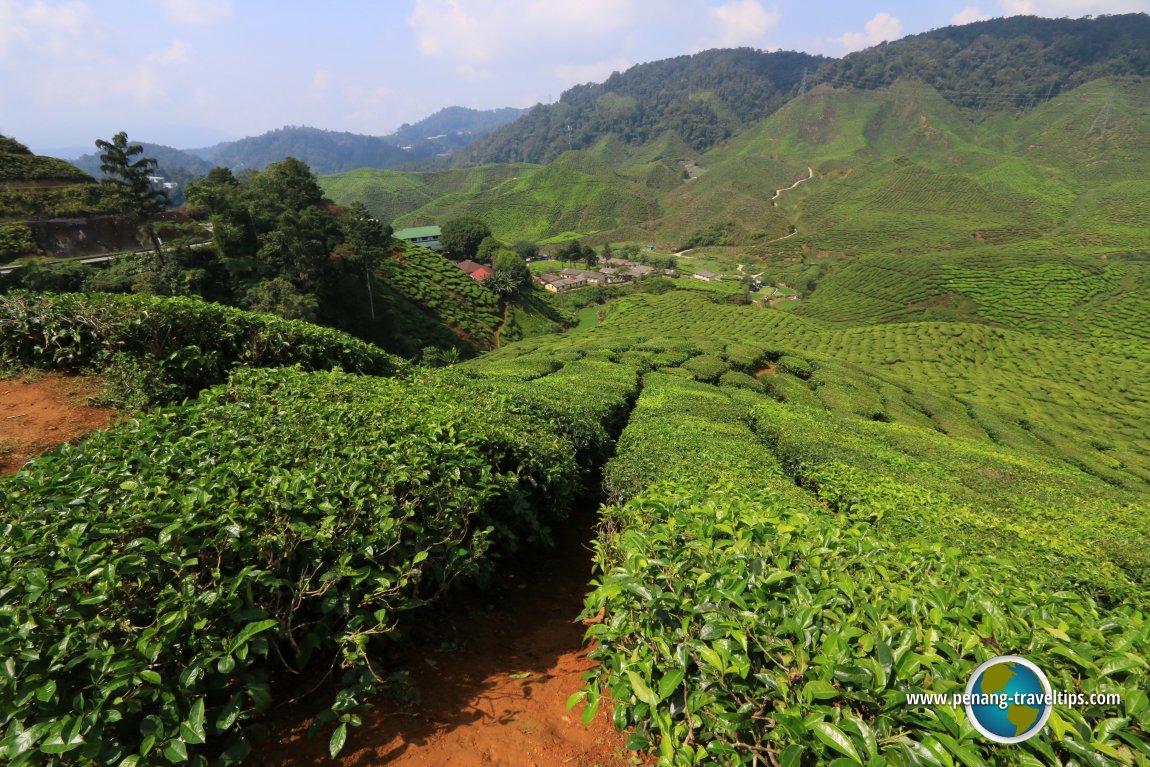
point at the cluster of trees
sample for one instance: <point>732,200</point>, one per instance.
<point>467,237</point>
<point>1011,63</point>
<point>285,249</point>
<point>575,252</point>
<point>704,98</point>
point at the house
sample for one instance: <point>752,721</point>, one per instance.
<point>592,278</point>
<point>468,265</point>
<point>559,284</point>
<point>427,236</point>
<point>482,273</point>
<point>614,276</point>
<point>639,271</point>
<point>563,285</point>
<point>706,276</point>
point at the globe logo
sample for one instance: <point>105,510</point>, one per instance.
<point>1008,699</point>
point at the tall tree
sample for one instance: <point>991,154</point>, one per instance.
<point>144,200</point>
<point>460,237</point>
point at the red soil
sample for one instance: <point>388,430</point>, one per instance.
<point>42,411</point>
<point>494,676</point>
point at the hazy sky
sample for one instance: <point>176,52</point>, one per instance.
<point>192,72</point>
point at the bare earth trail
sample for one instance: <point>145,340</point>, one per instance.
<point>493,677</point>
<point>775,197</point>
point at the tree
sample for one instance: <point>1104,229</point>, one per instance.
<point>460,237</point>
<point>279,296</point>
<point>572,252</point>
<point>510,263</point>
<point>368,241</point>
<point>589,256</point>
<point>502,284</point>
<point>288,185</point>
<point>487,250</point>
<point>144,200</point>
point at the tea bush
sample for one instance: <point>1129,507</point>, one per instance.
<point>159,577</point>
<point>739,627</point>
<point>166,349</point>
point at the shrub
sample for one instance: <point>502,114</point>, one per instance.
<point>740,628</point>
<point>166,349</point>
<point>159,577</point>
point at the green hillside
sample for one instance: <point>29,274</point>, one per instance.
<point>34,185</point>
<point>703,99</point>
<point>899,169</point>
<point>37,187</point>
<point>574,194</point>
<point>429,301</point>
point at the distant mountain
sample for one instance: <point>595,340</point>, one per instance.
<point>450,129</point>
<point>324,151</point>
<point>703,99</point>
<point>1003,64</point>
<point>335,152</point>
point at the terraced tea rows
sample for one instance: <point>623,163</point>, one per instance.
<point>432,283</point>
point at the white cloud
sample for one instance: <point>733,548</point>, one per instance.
<point>573,41</point>
<point>176,53</point>
<point>1071,8</point>
<point>22,22</point>
<point>740,22</point>
<point>969,15</point>
<point>481,35</point>
<point>58,57</point>
<point>198,12</point>
<point>882,27</point>
<point>320,86</point>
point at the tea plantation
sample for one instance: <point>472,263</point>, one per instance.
<point>805,522</point>
<point>793,546</point>
<point>807,515</point>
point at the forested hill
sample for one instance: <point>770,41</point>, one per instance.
<point>324,151</point>
<point>704,98</point>
<point>1003,64</point>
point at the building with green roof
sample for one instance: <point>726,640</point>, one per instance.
<point>427,236</point>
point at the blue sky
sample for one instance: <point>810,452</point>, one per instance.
<point>192,72</point>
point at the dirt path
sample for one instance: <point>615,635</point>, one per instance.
<point>775,197</point>
<point>503,324</point>
<point>41,411</point>
<point>494,679</point>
